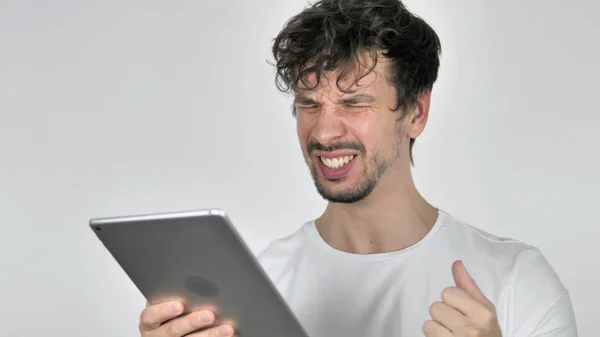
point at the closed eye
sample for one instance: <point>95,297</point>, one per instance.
<point>305,102</point>
<point>314,106</point>
<point>356,107</point>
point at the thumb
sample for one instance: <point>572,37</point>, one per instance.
<point>464,281</point>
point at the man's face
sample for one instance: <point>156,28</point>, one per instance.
<point>350,140</point>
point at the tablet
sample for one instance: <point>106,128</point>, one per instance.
<point>198,258</point>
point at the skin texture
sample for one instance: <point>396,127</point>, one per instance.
<point>330,122</point>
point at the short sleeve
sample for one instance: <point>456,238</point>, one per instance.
<point>559,321</point>
<point>542,305</point>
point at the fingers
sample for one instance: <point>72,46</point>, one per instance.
<point>224,330</point>
<point>435,329</point>
<point>154,315</point>
<point>477,313</point>
<point>464,310</point>
<point>463,280</point>
<point>447,316</point>
<point>161,320</point>
<point>462,301</point>
<point>187,324</point>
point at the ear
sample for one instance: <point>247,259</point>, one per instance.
<point>417,118</point>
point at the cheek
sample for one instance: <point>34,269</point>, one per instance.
<point>304,126</point>
<point>303,131</point>
<point>377,134</point>
<point>365,126</point>
<point>367,131</point>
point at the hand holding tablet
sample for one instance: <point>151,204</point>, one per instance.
<point>161,320</point>
<point>198,260</point>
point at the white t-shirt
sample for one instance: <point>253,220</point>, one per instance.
<point>336,294</point>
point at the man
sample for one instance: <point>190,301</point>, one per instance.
<point>381,260</point>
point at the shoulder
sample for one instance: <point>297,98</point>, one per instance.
<point>508,256</point>
<point>518,276</point>
<point>517,262</point>
<point>476,239</point>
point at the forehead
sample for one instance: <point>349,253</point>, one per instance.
<point>355,77</point>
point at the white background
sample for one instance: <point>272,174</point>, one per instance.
<point>126,107</point>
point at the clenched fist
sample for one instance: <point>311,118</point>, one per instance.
<point>464,311</point>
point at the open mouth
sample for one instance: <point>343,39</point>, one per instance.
<point>336,163</point>
<point>335,168</point>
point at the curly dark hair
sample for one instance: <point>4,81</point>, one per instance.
<point>332,34</point>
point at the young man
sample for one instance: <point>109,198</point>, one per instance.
<point>381,260</point>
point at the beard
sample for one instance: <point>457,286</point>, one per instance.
<point>372,171</point>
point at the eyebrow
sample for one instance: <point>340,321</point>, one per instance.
<point>300,98</point>
<point>353,99</point>
<point>358,98</point>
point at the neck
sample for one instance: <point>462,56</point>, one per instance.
<point>394,216</point>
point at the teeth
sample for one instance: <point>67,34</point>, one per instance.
<point>336,162</point>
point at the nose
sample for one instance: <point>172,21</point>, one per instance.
<point>328,127</point>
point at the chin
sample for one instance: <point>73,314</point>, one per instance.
<point>345,195</point>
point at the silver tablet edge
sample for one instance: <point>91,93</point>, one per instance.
<point>158,216</point>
